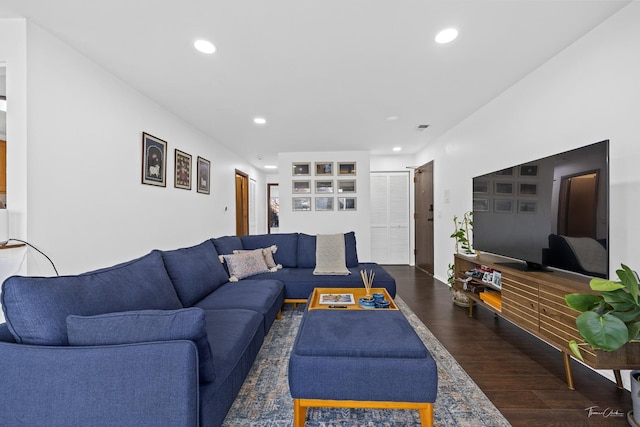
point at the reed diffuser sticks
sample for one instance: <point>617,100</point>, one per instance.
<point>367,279</point>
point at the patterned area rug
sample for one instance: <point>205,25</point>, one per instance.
<point>264,399</point>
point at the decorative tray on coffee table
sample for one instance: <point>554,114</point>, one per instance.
<point>346,299</point>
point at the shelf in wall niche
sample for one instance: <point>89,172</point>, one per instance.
<point>12,246</point>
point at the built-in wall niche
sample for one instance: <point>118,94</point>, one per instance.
<point>315,181</point>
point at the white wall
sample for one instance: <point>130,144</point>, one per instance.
<point>87,207</point>
<point>587,93</point>
<point>312,222</point>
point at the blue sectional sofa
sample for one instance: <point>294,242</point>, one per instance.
<point>165,339</point>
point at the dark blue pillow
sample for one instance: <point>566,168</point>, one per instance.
<point>307,250</point>
<point>145,326</point>
<point>227,244</point>
<point>195,271</point>
<point>287,243</point>
<point>350,249</point>
<point>36,308</point>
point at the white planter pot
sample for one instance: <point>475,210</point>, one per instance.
<point>635,396</point>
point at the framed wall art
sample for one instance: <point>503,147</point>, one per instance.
<point>346,168</point>
<point>301,187</point>
<point>346,186</point>
<point>528,189</point>
<point>182,174</point>
<point>301,169</point>
<point>324,168</point>
<point>480,187</point>
<point>324,187</point>
<point>503,205</point>
<point>347,204</point>
<point>154,160</point>
<point>529,170</point>
<point>527,206</point>
<point>301,203</point>
<point>503,188</point>
<point>324,203</point>
<point>481,205</point>
<point>204,175</point>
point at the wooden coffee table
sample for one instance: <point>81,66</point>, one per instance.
<point>316,300</point>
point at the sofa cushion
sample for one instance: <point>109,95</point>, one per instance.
<point>145,326</point>
<point>244,264</point>
<point>307,250</point>
<point>36,308</point>
<point>267,253</point>
<point>227,244</point>
<point>287,244</point>
<point>195,271</point>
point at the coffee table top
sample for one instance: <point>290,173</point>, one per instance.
<point>345,299</point>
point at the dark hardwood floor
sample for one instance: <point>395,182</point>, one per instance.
<point>523,376</point>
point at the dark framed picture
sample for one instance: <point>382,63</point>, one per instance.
<point>324,203</point>
<point>503,205</point>
<point>301,169</point>
<point>503,188</point>
<point>529,170</point>
<point>527,206</point>
<point>505,172</point>
<point>154,160</point>
<point>346,186</point>
<point>301,203</point>
<point>528,189</point>
<point>480,187</point>
<point>347,204</point>
<point>347,168</point>
<point>182,177</point>
<point>481,205</point>
<point>324,187</point>
<point>324,168</point>
<point>301,187</point>
<point>204,176</point>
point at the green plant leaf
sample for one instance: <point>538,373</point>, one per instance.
<point>575,349</point>
<point>604,285</point>
<point>582,302</point>
<point>634,331</point>
<point>605,332</point>
<point>628,278</point>
<point>619,300</point>
<point>627,316</point>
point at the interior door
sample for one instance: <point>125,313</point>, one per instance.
<point>577,211</point>
<point>390,218</point>
<point>242,203</point>
<point>423,217</point>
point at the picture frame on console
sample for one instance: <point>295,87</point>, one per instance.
<point>182,172</point>
<point>154,160</point>
<point>204,175</point>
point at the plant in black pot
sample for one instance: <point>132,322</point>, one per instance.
<point>610,319</point>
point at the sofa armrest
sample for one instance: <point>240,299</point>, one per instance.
<point>146,384</point>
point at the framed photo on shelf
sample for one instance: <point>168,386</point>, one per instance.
<point>346,186</point>
<point>204,175</point>
<point>347,204</point>
<point>503,205</point>
<point>503,188</point>
<point>528,189</point>
<point>324,187</point>
<point>301,187</point>
<point>346,168</point>
<point>529,170</point>
<point>480,187</point>
<point>527,206</point>
<point>324,168</point>
<point>182,176</point>
<point>154,160</point>
<point>301,203</point>
<point>481,205</point>
<point>301,169</point>
<point>324,203</point>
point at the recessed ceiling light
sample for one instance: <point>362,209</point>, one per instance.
<point>204,46</point>
<point>392,118</point>
<point>397,148</point>
<point>270,167</point>
<point>446,36</point>
<point>260,120</point>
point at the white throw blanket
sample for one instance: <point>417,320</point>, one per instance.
<point>590,254</point>
<point>330,255</point>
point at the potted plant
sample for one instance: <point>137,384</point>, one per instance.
<point>459,297</point>
<point>611,319</point>
<point>461,234</point>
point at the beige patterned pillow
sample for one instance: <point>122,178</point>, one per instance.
<point>245,263</point>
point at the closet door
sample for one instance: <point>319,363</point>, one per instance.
<point>390,218</point>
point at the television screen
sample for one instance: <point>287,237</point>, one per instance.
<point>550,212</point>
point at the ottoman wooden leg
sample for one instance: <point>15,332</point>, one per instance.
<point>299,413</point>
<point>426,416</point>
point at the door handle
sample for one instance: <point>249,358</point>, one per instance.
<point>430,219</point>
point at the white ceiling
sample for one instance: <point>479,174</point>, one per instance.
<point>326,74</point>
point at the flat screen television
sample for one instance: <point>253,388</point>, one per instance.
<point>549,212</point>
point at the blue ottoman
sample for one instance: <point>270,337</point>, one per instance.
<point>361,359</point>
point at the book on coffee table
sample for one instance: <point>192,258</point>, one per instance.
<point>336,299</point>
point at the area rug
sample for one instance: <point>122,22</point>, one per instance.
<point>264,400</point>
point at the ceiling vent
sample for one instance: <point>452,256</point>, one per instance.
<point>422,127</point>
